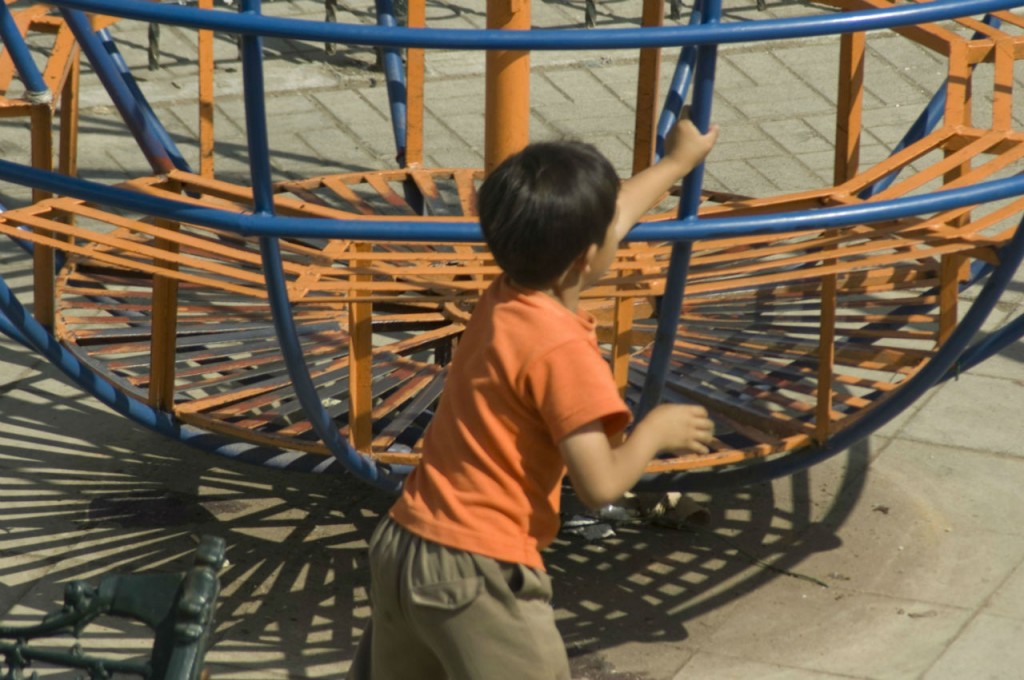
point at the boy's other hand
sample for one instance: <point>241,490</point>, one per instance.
<point>601,474</point>
<point>683,428</point>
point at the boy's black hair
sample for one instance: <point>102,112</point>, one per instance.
<point>541,208</point>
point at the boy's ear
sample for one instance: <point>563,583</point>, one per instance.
<point>579,268</point>
<point>587,258</point>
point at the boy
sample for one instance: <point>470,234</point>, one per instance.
<point>459,590</point>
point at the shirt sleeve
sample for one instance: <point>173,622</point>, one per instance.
<point>572,386</point>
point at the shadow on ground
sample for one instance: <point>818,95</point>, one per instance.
<point>87,492</point>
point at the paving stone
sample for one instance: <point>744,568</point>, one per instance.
<point>987,638</point>
<point>797,137</point>
<point>902,539</point>
<point>957,416</point>
<point>1008,600</point>
<point>759,101</point>
<point>738,176</point>
<point>788,175</point>
<point>721,666</point>
<point>807,627</point>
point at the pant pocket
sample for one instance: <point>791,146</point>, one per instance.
<point>442,578</point>
<point>527,583</point>
<point>449,596</point>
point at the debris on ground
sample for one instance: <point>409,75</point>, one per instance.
<point>670,509</point>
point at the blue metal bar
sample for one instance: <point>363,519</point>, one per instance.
<point>394,74</point>
<point>11,331</point>
<point>671,304</point>
<point>468,231</point>
<point>273,271</point>
<point>131,111</point>
<point>256,115</point>
<point>669,312</point>
<point>925,123</point>
<point>934,371</point>
<point>153,123</point>
<point>679,88</point>
<point>325,427</point>
<point>560,39</point>
<point>398,101</point>
<point>35,88</point>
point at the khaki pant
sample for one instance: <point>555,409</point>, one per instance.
<point>445,614</point>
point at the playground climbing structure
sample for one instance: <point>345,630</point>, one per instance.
<point>303,322</point>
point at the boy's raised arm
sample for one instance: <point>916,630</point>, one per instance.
<point>685,148</point>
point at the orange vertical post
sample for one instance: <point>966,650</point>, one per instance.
<point>68,155</point>
<point>507,98</point>
<point>950,270</point>
<point>415,64</point>
<point>360,361</point>
<point>958,111</point>
<point>826,356</point>
<point>850,106</point>
<point>622,341</point>
<point>43,264</point>
<point>206,97</point>
<point>958,86</point>
<point>163,343</point>
<point>849,110</point>
<point>648,75</point>
<point>644,132</point>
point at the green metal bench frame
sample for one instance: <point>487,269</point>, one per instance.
<point>178,607</point>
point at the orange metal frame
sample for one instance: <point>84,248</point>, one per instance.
<point>787,339</point>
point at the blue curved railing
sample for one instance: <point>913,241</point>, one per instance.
<point>394,75</point>
<point>703,36</point>
<point>277,291</point>
<point>553,39</point>
<point>22,326</point>
<point>468,230</point>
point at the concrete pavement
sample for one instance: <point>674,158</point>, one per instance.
<point>900,558</point>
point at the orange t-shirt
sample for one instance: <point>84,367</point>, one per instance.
<point>527,373</point>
